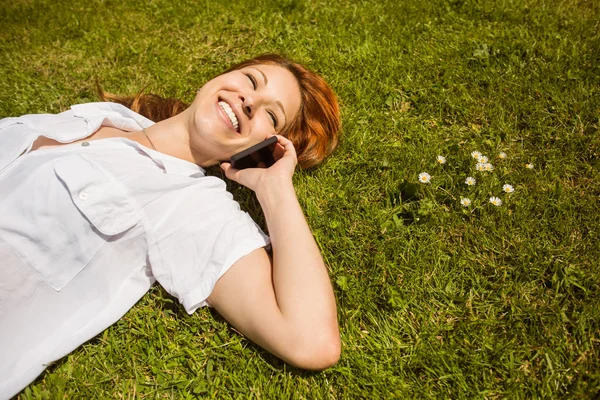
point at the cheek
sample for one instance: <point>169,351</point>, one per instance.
<point>204,117</point>
<point>263,128</point>
<point>232,83</point>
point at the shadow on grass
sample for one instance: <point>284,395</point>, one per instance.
<point>273,361</point>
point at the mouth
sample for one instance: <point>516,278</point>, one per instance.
<point>230,114</point>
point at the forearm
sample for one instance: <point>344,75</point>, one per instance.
<point>286,303</point>
<point>300,279</point>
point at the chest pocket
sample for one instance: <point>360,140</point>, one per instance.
<point>62,214</point>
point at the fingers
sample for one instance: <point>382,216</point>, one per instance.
<point>230,172</point>
<point>287,146</point>
<point>286,143</point>
<point>278,152</point>
<point>289,149</point>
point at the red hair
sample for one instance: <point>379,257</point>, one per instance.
<point>314,130</point>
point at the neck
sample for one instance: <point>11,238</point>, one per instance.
<point>172,136</point>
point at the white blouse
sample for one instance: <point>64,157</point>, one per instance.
<point>86,228</point>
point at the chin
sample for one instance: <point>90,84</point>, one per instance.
<point>210,164</point>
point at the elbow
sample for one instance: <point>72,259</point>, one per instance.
<point>319,354</point>
<point>328,356</point>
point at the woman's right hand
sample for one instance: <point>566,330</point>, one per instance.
<point>260,178</point>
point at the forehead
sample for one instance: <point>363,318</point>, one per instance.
<point>282,84</point>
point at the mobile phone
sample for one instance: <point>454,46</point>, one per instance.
<point>252,156</point>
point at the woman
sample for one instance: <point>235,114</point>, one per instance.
<point>99,202</point>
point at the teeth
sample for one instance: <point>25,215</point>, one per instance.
<point>230,114</point>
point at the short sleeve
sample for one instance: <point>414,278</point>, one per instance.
<point>201,234</point>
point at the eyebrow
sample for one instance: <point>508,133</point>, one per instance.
<point>266,81</point>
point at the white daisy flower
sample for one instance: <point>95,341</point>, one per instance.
<point>495,201</point>
<point>529,166</point>
<point>508,188</point>
<point>488,167</point>
<point>441,159</point>
<point>502,155</point>
<point>424,177</point>
<point>483,159</point>
<point>465,202</point>
<point>475,155</point>
<point>470,181</point>
<point>480,166</point>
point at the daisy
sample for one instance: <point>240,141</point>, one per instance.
<point>508,188</point>
<point>470,181</point>
<point>465,202</point>
<point>441,159</point>
<point>502,155</point>
<point>488,167</point>
<point>495,201</point>
<point>424,177</point>
<point>475,155</point>
<point>529,166</point>
<point>483,159</point>
<point>480,166</point>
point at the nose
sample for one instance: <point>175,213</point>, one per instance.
<point>248,105</point>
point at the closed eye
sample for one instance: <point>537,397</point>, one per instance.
<point>274,119</point>
<point>252,80</point>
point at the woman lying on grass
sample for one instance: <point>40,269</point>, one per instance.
<point>99,202</point>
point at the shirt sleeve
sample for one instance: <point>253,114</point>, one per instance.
<point>200,235</point>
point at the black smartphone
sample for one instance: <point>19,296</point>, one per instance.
<point>252,156</point>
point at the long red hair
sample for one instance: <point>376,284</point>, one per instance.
<point>314,130</point>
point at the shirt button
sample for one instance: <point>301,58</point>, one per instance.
<point>84,144</point>
<point>83,195</point>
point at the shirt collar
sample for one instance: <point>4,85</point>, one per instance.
<point>119,116</point>
<point>171,165</point>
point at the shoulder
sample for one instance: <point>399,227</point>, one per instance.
<point>198,238</point>
<point>192,202</point>
<point>96,114</point>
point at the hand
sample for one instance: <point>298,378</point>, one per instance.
<point>262,178</point>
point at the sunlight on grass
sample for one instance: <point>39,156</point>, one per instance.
<point>437,298</point>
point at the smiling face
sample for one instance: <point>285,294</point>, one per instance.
<point>241,108</point>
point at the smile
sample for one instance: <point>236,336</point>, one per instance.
<point>230,114</point>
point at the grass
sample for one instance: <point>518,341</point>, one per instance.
<point>435,300</point>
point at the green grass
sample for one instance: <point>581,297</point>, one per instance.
<point>435,301</point>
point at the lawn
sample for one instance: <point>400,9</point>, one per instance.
<point>436,299</point>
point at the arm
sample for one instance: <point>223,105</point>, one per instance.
<point>284,304</point>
